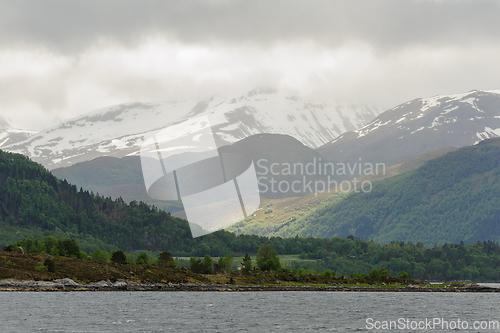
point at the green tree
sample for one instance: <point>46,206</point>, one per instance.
<point>54,251</point>
<point>48,243</point>
<point>130,258</point>
<point>375,275</point>
<point>143,259</point>
<point>68,247</point>
<point>50,265</point>
<point>405,276</point>
<point>37,247</point>
<point>208,264</point>
<point>118,257</point>
<point>195,265</point>
<point>26,244</point>
<point>225,263</point>
<point>100,255</point>
<point>384,274</point>
<point>165,259</point>
<point>328,273</point>
<point>247,264</point>
<point>267,258</point>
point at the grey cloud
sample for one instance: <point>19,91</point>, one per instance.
<point>72,26</point>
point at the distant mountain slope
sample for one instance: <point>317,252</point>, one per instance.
<point>285,210</point>
<point>419,126</point>
<point>119,130</point>
<point>110,176</point>
<point>103,172</point>
<point>449,199</point>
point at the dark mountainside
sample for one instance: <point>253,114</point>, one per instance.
<point>449,199</point>
<point>113,177</point>
<point>116,178</point>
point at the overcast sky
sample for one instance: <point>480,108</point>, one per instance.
<point>64,58</point>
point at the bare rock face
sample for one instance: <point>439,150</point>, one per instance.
<point>66,282</point>
<point>102,284</point>
<point>120,285</point>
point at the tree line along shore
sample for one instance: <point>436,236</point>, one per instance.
<point>68,268</point>
<point>347,257</point>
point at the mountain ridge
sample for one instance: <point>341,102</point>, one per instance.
<point>110,176</point>
<point>120,130</point>
<point>420,125</point>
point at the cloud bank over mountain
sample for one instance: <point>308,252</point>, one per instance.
<point>63,59</point>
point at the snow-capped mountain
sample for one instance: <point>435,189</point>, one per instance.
<point>120,130</point>
<point>10,135</point>
<point>419,126</point>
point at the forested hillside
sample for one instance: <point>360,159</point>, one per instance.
<point>32,201</point>
<point>449,199</point>
<point>114,177</point>
<point>35,204</point>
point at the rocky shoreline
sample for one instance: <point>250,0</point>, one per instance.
<point>122,285</point>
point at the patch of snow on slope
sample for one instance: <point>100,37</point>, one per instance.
<point>471,102</point>
<point>418,129</point>
<point>445,111</point>
<point>431,102</point>
<point>488,133</point>
<point>104,125</point>
<point>373,126</point>
<point>428,103</point>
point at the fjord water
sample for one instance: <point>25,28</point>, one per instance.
<point>232,311</point>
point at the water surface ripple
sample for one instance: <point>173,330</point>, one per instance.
<point>232,311</point>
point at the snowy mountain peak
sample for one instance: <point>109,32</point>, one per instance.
<point>121,129</point>
<point>422,125</point>
<point>437,110</point>
<point>10,135</point>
